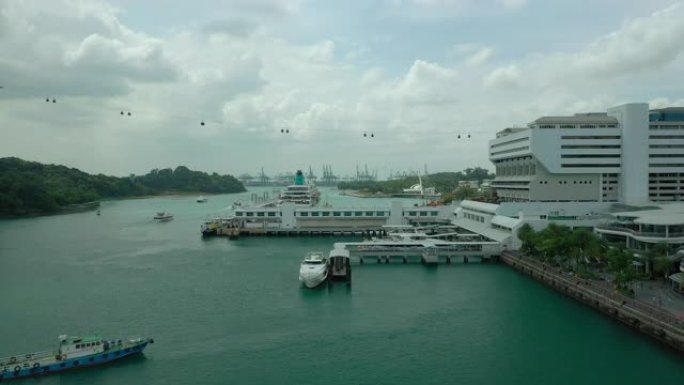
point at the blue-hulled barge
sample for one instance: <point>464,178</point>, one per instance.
<point>72,353</point>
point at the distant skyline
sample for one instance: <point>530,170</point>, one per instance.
<point>414,73</point>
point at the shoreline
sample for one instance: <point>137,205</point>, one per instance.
<point>653,321</point>
<point>93,205</point>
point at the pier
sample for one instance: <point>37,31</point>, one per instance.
<point>421,248</point>
<point>650,320</point>
<point>289,219</point>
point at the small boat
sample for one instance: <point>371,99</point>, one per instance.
<point>202,200</point>
<point>163,216</point>
<point>314,269</point>
<point>72,353</point>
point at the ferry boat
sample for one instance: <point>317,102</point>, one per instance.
<point>300,193</point>
<point>72,352</point>
<point>314,269</point>
<point>163,216</point>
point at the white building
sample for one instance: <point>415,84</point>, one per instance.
<point>607,171</point>
<point>627,154</point>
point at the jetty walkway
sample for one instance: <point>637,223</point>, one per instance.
<point>654,321</point>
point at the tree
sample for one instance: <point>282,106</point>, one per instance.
<point>585,243</point>
<point>527,236</point>
<point>35,188</point>
<point>662,266</point>
<point>620,264</point>
<point>464,192</point>
<point>656,252</point>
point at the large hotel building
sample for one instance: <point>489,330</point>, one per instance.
<point>629,154</point>
<point>619,172</point>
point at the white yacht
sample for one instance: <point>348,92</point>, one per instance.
<point>202,199</point>
<point>314,269</point>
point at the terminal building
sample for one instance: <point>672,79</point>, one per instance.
<point>619,172</point>
<point>628,154</point>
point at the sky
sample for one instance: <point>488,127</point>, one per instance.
<point>415,74</point>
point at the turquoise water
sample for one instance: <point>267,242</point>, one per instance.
<point>233,311</point>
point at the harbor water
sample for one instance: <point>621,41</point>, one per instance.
<point>233,311</point>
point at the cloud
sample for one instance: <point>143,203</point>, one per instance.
<point>252,68</point>
<point>503,77</point>
<point>75,48</point>
<point>322,52</point>
<point>233,27</point>
<point>481,56</point>
<point>640,44</point>
<point>141,60</point>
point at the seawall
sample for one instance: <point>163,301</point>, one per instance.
<point>650,320</point>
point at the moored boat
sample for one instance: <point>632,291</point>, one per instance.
<point>163,216</point>
<point>300,193</point>
<point>72,353</point>
<point>314,269</point>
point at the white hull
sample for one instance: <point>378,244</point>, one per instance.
<point>311,279</point>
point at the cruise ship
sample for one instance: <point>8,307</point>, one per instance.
<point>300,193</point>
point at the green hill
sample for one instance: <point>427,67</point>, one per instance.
<point>28,188</point>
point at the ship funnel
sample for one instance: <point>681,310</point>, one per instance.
<point>299,178</point>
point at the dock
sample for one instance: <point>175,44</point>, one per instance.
<point>423,248</point>
<point>295,220</point>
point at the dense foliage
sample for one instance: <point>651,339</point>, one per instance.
<point>33,188</point>
<point>444,182</point>
<point>581,251</point>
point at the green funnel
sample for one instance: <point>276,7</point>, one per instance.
<point>299,178</point>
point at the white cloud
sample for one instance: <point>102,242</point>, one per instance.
<point>247,73</point>
<point>503,77</point>
<point>643,43</point>
<point>323,52</point>
<point>481,56</point>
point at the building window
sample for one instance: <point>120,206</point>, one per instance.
<point>336,213</point>
<point>304,214</point>
<point>326,213</point>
